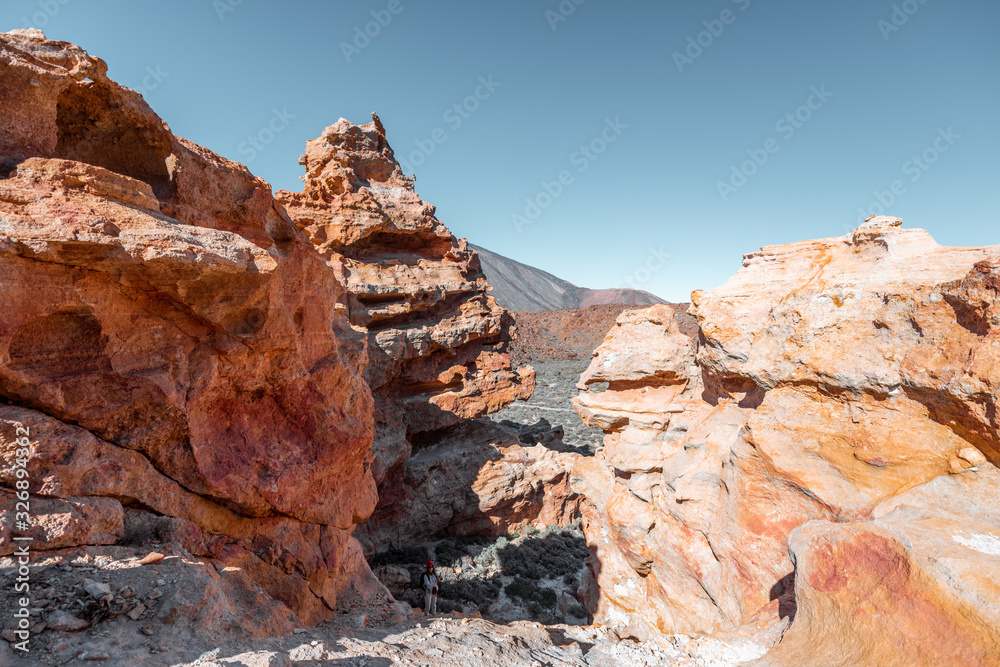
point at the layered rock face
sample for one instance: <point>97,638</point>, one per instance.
<point>171,342</point>
<point>825,438</point>
<point>437,340</point>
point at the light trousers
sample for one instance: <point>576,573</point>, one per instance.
<point>430,602</point>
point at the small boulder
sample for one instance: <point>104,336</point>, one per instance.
<point>96,589</point>
<point>137,612</point>
<point>63,621</point>
<point>152,558</point>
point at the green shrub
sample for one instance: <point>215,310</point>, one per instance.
<point>448,553</point>
<point>530,592</point>
<point>554,555</point>
<point>543,615</point>
<point>480,592</point>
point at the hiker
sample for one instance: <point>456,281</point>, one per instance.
<point>431,579</point>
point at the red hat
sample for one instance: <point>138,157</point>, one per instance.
<point>430,563</point>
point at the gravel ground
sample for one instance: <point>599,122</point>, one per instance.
<point>555,388</point>
<point>452,641</point>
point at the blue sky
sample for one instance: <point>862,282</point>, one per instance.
<point>643,109</point>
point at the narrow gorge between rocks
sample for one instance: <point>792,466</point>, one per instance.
<point>246,419</point>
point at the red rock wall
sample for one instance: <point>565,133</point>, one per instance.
<point>172,340</point>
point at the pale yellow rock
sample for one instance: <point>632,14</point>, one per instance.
<point>825,380</point>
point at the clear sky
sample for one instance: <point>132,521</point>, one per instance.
<point>668,99</point>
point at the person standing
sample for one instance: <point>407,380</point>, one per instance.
<point>431,579</point>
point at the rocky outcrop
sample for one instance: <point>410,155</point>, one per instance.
<point>836,399</point>
<point>171,343</point>
<point>476,479</point>
<point>917,584</point>
<point>437,340</point>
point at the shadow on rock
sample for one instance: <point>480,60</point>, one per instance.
<point>784,592</point>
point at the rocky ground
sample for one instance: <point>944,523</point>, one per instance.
<point>555,387</point>
<point>120,605</point>
<point>454,641</point>
<point>129,607</point>
<point>534,576</point>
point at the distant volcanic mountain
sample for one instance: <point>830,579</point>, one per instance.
<point>520,287</point>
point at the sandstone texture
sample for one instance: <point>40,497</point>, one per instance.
<point>821,450</point>
<point>437,341</point>
<point>216,401</point>
<point>171,344</point>
<point>917,585</point>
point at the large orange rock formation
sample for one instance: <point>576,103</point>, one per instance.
<point>171,340</point>
<point>437,340</point>
<point>178,345</point>
<point>826,436</point>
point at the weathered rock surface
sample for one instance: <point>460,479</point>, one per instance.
<point>826,382</point>
<point>917,585</point>
<point>171,340</point>
<point>474,479</point>
<point>437,340</point>
<point>449,641</point>
<point>394,578</point>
